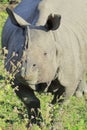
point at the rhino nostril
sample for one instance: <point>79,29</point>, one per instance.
<point>34,65</point>
<point>25,61</point>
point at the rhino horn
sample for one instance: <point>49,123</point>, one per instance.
<point>16,19</point>
<point>53,21</point>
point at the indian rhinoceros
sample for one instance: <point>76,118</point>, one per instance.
<point>49,39</point>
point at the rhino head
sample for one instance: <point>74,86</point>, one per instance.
<point>39,53</point>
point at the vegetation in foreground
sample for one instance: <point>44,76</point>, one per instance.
<point>13,114</point>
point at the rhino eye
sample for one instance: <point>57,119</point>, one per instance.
<point>34,65</point>
<point>45,53</point>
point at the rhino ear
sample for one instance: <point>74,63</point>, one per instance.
<point>53,22</point>
<point>16,19</point>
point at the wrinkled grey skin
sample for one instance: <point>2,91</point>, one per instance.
<point>49,39</point>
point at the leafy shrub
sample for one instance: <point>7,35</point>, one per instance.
<point>4,1</point>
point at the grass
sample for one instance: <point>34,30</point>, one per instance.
<point>13,114</point>
<point>3,17</point>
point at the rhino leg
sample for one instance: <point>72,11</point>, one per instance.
<point>57,95</point>
<point>69,92</point>
<point>57,90</point>
<point>82,88</point>
<point>31,102</point>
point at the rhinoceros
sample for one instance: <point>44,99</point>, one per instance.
<point>49,39</point>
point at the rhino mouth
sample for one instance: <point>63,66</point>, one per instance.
<point>30,83</point>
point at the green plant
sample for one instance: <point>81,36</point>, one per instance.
<point>4,1</point>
